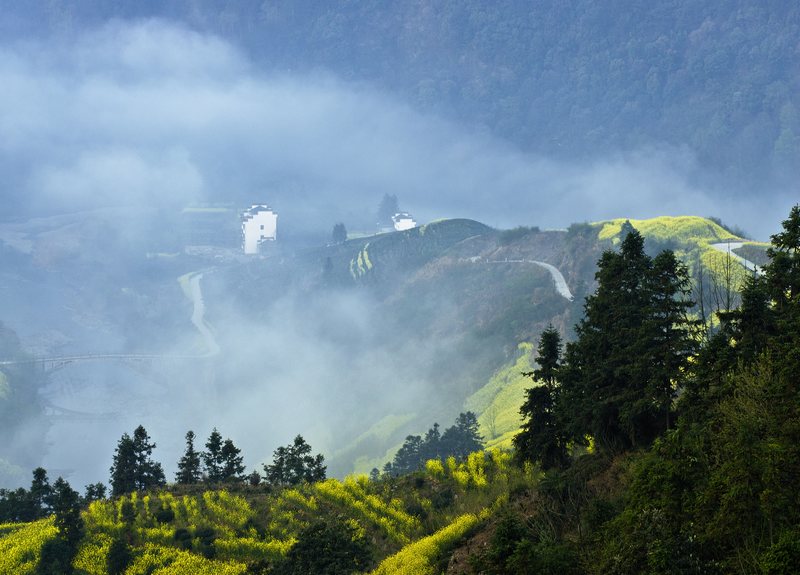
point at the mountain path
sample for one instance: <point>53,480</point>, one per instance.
<point>728,247</point>
<point>558,278</point>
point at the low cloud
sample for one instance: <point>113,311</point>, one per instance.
<point>136,113</point>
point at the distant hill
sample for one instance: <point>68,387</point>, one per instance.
<point>717,77</point>
<point>468,295</point>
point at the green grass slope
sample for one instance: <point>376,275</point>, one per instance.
<point>410,522</point>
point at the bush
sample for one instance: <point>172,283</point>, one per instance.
<point>118,558</point>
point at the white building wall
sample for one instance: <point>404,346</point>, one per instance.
<point>403,222</point>
<point>259,223</point>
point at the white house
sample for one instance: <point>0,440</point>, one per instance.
<point>259,223</point>
<point>403,221</point>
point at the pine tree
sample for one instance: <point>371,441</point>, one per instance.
<point>671,335</point>
<point>339,234</point>
<point>189,465</point>
<point>212,458</point>
<point>133,468</point>
<point>40,494</point>
<point>462,438</point>
<point>542,436</point>
<point>148,473</point>
<point>123,468</point>
<point>548,357</point>
<point>294,464</point>
<point>232,466</point>
<point>66,505</point>
<point>94,492</point>
<point>618,378</point>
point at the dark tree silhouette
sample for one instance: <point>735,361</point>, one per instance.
<point>222,460</point>
<point>339,234</point>
<point>133,467</point>
<point>212,457</point>
<point>189,464</point>
<point>294,464</point>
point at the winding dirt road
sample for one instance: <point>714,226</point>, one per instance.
<point>558,278</point>
<point>728,247</point>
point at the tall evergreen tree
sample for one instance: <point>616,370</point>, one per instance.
<point>548,357</point>
<point>123,468</point>
<point>212,458</point>
<point>619,376</point>
<point>294,464</point>
<point>149,473</point>
<point>133,467</point>
<point>462,438</point>
<point>542,436</point>
<point>189,464</point>
<point>669,334</point>
<point>232,466</point>
<point>66,505</point>
<point>40,494</point>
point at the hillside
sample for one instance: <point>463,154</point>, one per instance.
<point>425,324</point>
<point>712,491</point>
<point>459,306</point>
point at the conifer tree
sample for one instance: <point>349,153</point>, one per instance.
<point>232,466</point>
<point>40,494</point>
<point>212,457</point>
<point>618,381</point>
<point>133,467</point>
<point>542,436</point>
<point>189,465</point>
<point>294,464</point>
<point>149,473</point>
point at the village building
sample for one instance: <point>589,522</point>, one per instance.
<point>403,221</point>
<point>259,224</point>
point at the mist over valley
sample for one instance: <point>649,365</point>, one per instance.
<point>340,225</point>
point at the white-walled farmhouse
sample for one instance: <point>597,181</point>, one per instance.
<point>259,223</point>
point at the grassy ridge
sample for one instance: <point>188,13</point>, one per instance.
<point>412,521</point>
<point>498,402</point>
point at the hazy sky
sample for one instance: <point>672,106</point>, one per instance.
<point>150,112</point>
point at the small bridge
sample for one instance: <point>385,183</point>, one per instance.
<point>51,364</point>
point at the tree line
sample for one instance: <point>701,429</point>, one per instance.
<point>458,440</point>
<point>221,461</point>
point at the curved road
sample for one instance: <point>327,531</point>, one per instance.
<point>728,247</point>
<point>198,314</point>
<point>558,277</point>
<point>193,292</point>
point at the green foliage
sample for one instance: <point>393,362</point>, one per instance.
<point>119,557</point>
<point>510,236</point>
<point>634,342</point>
<point>327,548</point>
<point>294,464</point>
<point>133,468</point>
<point>458,441</point>
<point>189,464</point>
<point>20,549</point>
<point>420,557</point>
<point>543,438</point>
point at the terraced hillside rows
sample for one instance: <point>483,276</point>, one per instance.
<point>409,523</point>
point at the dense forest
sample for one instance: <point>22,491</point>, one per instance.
<point>651,443</point>
<point>560,78</point>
